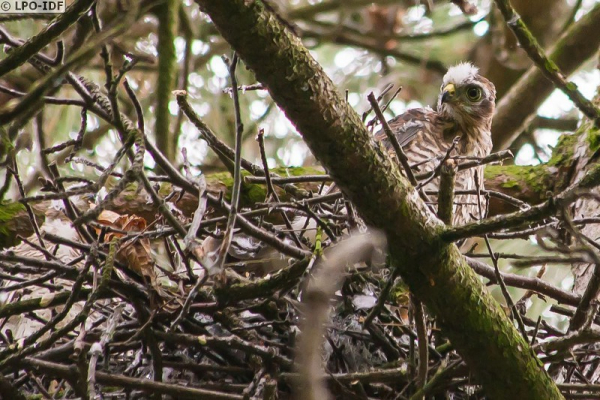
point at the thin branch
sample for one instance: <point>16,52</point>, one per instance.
<point>393,140</point>
<point>546,65</point>
<point>237,174</point>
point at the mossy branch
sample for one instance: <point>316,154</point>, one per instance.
<point>437,273</point>
<point>521,102</point>
<point>546,65</point>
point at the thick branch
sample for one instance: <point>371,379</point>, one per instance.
<point>520,104</point>
<point>436,272</point>
<point>546,66</point>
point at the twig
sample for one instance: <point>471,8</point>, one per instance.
<point>546,65</point>
<point>393,140</point>
<point>270,189</point>
<point>509,302</point>
<point>420,323</point>
<point>237,175</point>
<point>321,288</point>
<point>437,170</point>
<point>593,287</point>
<point>53,30</point>
<point>98,349</point>
<point>223,151</point>
<point>383,297</point>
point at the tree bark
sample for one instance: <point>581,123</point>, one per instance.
<point>437,273</point>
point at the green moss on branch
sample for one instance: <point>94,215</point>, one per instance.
<point>476,324</point>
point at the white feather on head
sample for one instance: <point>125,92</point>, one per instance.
<point>460,73</point>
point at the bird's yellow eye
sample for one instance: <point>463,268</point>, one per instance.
<point>474,93</point>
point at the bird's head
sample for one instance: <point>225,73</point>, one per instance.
<point>467,97</point>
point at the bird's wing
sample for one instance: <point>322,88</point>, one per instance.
<point>408,125</point>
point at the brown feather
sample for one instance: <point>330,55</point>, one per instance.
<point>426,136</point>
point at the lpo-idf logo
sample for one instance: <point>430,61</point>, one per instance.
<point>32,6</point>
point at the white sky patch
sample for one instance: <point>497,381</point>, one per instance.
<point>481,28</point>
<point>567,283</point>
<point>558,104</point>
<point>149,162</point>
<point>349,62</point>
<point>92,122</point>
<point>293,155</point>
<point>263,94</point>
<point>397,107</point>
<point>202,109</point>
<point>353,99</point>
<point>173,107</point>
<point>414,14</point>
<point>526,156</point>
<point>281,127</point>
<point>216,84</point>
<point>76,166</point>
<point>197,149</point>
<point>199,47</point>
<point>148,45</point>
<point>367,69</point>
<point>547,138</point>
<point>586,5</point>
<point>133,83</point>
<point>413,104</point>
<point>587,82</point>
<point>108,146</point>
<point>454,11</point>
<point>257,109</point>
<point>179,47</point>
<point>196,80</point>
<point>345,57</point>
<point>219,68</point>
<point>423,25</point>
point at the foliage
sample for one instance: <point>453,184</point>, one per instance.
<point>141,276</point>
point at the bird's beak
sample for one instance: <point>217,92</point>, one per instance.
<point>448,92</point>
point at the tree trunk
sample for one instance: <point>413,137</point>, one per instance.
<point>437,273</point>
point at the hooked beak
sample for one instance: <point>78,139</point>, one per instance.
<point>448,93</point>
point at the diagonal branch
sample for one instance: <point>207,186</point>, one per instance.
<point>53,30</point>
<point>520,104</point>
<point>436,272</point>
<point>547,66</point>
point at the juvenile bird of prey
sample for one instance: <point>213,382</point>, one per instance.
<point>465,108</point>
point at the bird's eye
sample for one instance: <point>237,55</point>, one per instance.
<point>474,93</point>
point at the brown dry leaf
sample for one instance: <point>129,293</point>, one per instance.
<point>135,253</point>
<point>110,218</point>
<point>385,20</point>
